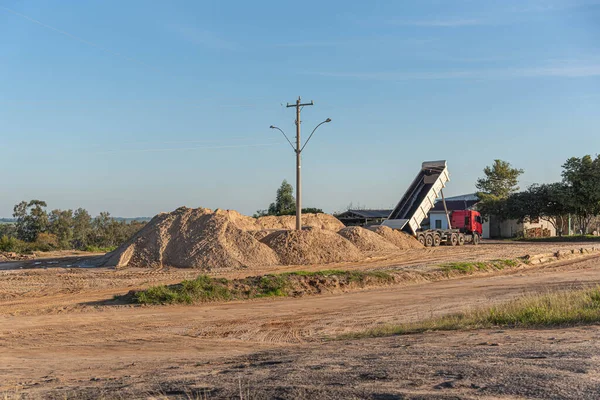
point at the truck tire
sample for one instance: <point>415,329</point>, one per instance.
<point>421,239</point>
<point>437,240</point>
<point>475,239</point>
<point>428,240</point>
<point>453,240</point>
<point>461,239</point>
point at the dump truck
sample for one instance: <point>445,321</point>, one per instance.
<point>464,226</point>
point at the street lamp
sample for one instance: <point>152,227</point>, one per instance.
<point>298,150</point>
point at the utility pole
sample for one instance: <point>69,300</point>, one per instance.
<point>298,150</point>
<point>298,106</point>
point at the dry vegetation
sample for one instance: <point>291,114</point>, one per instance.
<point>553,309</point>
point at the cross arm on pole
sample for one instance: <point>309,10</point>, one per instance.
<point>300,104</point>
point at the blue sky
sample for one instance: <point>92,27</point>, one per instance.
<point>137,107</point>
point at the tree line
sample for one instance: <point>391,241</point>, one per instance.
<point>577,195</point>
<point>35,228</point>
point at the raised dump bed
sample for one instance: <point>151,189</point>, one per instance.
<point>420,197</point>
<point>418,201</point>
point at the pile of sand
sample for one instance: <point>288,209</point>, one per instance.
<point>402,240</point>
<point>270,223</point>
<point>320,221</point>
<point>225,239</point>
<point>259,235</point>
<point>311,246</point>
<point>192,238</point>
<point>366,240</point>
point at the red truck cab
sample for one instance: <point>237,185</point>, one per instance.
<point>467,221</point>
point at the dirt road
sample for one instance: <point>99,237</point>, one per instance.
<point>85,350</point>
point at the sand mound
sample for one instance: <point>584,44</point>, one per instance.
<point>245,223</point>
<point>398,238</point>
<point>259,235</point>
<point>320,221</point>
<point>240,221</point>
<point>193,238</point>
<point>366,240</point>
<point>311,246</point>
<point>225,239</point>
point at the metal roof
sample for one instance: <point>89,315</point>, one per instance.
<point>454,205</point>
<point>365,214</point>
<point>467,197</point>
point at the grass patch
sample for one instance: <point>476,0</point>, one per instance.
<point>555,309</point>
<point>468,267</point>
<point>207,289</point>
<point>201,289</point>
<point>96,249</point>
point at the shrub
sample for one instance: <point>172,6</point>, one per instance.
<point>12,244</point>
<point>45,242</point>
<point>96,249</point>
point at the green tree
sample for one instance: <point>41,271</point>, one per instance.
<point>499,182</point>
<point>311,210</point>
<point>32,219</point>
<point>60,224</point>
<point>8,230</point>
<point>549,202</point>
<point>82,228</point>
<point>62,229</point>
<point>101,230</point>
<point>582,176</point>
<point>284,204</point>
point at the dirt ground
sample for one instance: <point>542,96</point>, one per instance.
<point>58,340</point>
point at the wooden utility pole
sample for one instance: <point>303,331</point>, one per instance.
<point>298,149</point>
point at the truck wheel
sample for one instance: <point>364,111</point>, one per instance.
<point>475,239</point>
<point>421,239</point>
<point>428,240</point>
<point>461,239</point>
<point>437,240</point>
<point>453,239</point>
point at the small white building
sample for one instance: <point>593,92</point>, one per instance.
<point>511,228</point>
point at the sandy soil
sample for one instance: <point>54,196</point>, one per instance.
<point>57,339</point>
